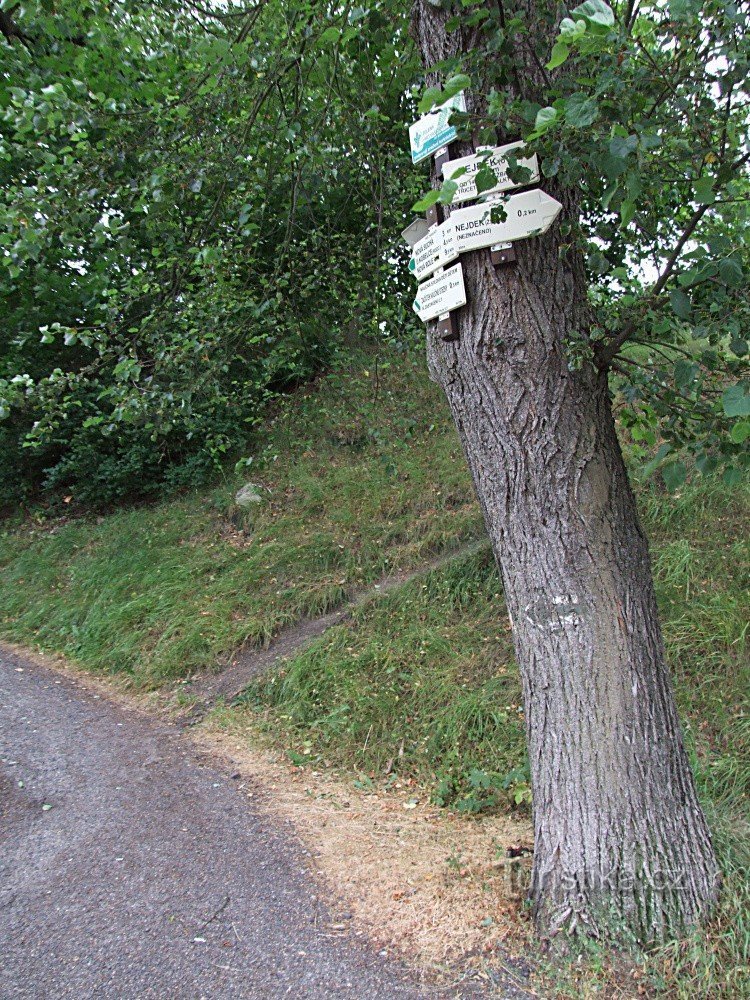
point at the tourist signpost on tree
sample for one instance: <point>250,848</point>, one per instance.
<point>621,845</point>
<point>528,214</point>
<point>495,223</point>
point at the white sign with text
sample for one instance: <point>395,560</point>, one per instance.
<point>527,214</point>
<point>441,294</point>
<point>497,161</point>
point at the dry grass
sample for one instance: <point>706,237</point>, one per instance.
<point>434,886</point>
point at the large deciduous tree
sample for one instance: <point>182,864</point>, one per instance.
<point>621,843</point>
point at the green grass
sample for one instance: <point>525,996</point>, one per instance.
<point>353,487</point>
<point>421,683</point>
<point>359,478</point>
<point>702,569</point>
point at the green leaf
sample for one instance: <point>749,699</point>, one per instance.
<point>704,191</point>
<point>329,37</point>
<point>431,97</point>
<point>674,474</point>
<point>560,52</point>
<point>485,178</point>
<point>430,199</point>
<point>685,373</point>
<point>581,111</point>
<point>740,432</point>
<point>622,147</point>
<point>732,476</point>
<point>627,211</point>
<point>447,191</point>
<point>706,464</point>
<point>611,167</point>
<point>596,12</point>
<point>736,400</point>
<point>455,85</point>
<point>730,272</point>
<point>658,458</point>
<point>545,118</point>
<point>571,30</point>
<point>681,304</point>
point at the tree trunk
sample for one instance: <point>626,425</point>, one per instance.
<point>621,844</point>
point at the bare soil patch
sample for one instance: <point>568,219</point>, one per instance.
<point>438,887</point>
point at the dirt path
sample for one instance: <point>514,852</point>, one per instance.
<point>252,663</point>
<point>132,867</point>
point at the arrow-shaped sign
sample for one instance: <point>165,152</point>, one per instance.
<point>434,250</point>
<point>441,294</point>
<point>527,214</point>
<point>498,162</point>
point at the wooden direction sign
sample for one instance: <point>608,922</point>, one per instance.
<point>498,161</point>
<point>432,131</point>
<point>527,214</point>
<point>441,294</point>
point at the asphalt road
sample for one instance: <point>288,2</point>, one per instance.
<point>133,867</point>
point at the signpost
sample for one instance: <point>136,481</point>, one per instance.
<point>498,162</point>
<point>415,231</point>
<point>527,214</point>
<point>436,243</point>
<point>432,131</point>
<point>441,294</point>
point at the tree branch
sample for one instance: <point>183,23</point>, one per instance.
<point>605,355</point>
<point>10,29</point>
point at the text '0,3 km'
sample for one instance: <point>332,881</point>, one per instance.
<point>526,214</point>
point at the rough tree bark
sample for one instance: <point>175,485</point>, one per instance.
<point>621,844</point>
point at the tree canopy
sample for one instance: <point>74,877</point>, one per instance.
<point>201,205</point>
<point>643,109</point>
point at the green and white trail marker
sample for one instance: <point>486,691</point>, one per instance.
<point>433,251</point>
<point>530,213</point>
<point>432,131</point>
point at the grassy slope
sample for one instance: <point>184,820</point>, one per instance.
<point>355,487</point>
<point>421,683</point>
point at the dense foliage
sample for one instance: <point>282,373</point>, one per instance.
<point>201,205</point>
<point>198,207</point>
